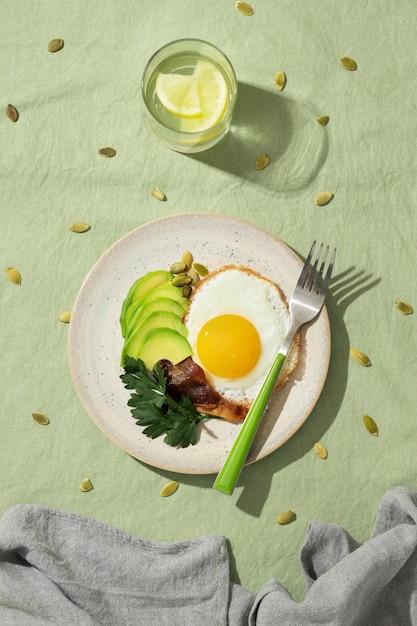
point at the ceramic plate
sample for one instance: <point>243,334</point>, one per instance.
<point>95,341</point>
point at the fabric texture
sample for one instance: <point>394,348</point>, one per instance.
<point>88,96</point>
<point>60,568</point>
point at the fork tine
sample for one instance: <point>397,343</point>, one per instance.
<point>304,273</point>
<point>311,283</point>
<point>326,282</point>
<point>323,263</point>
<point>317,275</point>
<point>311,277</point>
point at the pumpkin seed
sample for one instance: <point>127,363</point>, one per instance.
<point>40,418</point>
<point>65,317</point>
<point>169,489</point>
<point>286,517</point>
<point>348,63</point>
<point>86,485</point>
<point>178,268</point>
<point>360,357</point>
<point>187,259</point>
<point>370,425</point>
<point>320,450</point>
<point>181,279</point>
<point>262,161</point>
<point>404,308</point>
<point>280,80</point>
<point>244,8</point>
<point>186,290</point>
<point>55,45</point>
<point>79,227</point>
<point>107,152</point>
<point>158,194</point>
<point>12,113</point>
<point>323,120</point>
<point>194,276</point>
<point>200,269</point>
<point>323,198</point>
<point>14,276</point>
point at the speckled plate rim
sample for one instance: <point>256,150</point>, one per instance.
<point>95,342</point>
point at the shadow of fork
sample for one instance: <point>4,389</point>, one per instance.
<point>345,288</point>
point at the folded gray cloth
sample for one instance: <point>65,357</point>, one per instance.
<point>348,584</point>
<point>58,568</point>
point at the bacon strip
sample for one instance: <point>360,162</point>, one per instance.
<point>188,379</point>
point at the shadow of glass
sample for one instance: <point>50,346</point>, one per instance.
<point>271,123</point>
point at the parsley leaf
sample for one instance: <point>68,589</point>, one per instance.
<point>152,407</point>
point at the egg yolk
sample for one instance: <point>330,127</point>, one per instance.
<point>228,346</point>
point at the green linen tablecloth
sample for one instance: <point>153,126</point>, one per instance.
<point>87,96</point>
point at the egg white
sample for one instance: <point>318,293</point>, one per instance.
<point>238,291</point>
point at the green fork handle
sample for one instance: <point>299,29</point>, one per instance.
<point>235,460</point>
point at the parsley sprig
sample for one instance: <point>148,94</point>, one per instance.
<point>154,408</point>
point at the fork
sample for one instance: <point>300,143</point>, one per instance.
<point>305,304</point>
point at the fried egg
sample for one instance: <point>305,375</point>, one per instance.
<point>236,321</point>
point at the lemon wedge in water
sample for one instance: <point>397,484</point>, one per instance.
<point>199,99</point>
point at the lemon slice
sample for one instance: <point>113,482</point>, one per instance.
<point>199,99</point>
<point>178,94</point>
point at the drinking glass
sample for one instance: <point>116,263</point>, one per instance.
<point>186,57</point>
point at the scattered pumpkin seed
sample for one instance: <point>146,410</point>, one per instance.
<point>14,276</point>
<point>186,290</point>
<point>262,161</point>
<point>323,120</point>
<point>370,425</point>
<point>404,308</point>
<point>200,269</point>
<point>169,489</point>
<point>181,279</point>
<point>244,8</point>
<point>178,268</point>
<point>187,259</point>
<point>12,113</point>
<point>360,357</point>
<point>79,227</point>
<point>320,450</point>
<point>348,63</point>
<point>40,418</point>
<point>280,80</point>
<point>107,152</point>
<point>323,198</point>
<point>55,45</point>
<point>158,194</point>
<point>86,485</point>
<point>65,317</point>
<point>286,517</point>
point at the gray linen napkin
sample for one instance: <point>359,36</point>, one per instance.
<point>58,568</point>
<point>64,569</point>
<point>348,584</point>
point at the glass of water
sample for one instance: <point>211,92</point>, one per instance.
<point>189,90</point>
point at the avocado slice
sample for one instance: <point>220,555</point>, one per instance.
<point>142,286</point>
<point>158,304</point>
<point>163,291</point>
<point>158,319</point>
<point>164,343</point>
